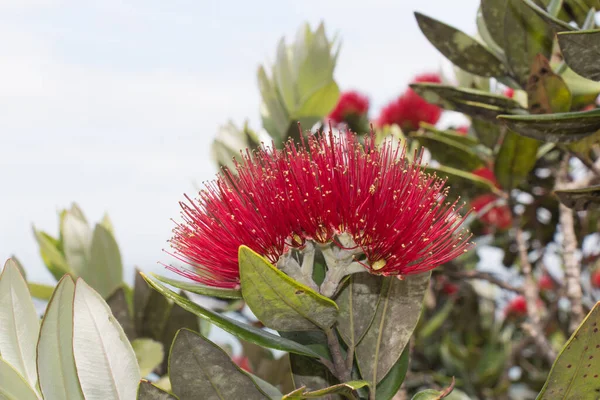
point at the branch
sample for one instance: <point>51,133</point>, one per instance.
<point>486,276</point>
<point>572,271</point>
<point>534,328</point>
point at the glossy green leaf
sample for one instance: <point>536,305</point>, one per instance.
<point>201,289</point>
<point>459,179</point>
<point>51,254</point>
<point>493,14</point>
<point>105,361</point>
<point>431,394</point>
<point>104,271</point>
<point>345,388</point>
<point>149,354</point>
<point>389,386</point>
<point>554,23</point>
<point>516,158</point>
<point>526,35</point>
<point>199,369</point>
<point>55,361</point>
<point>396,317</point>
<point>583,91</point>
<point>13,386</point>
<point>147,391</point>
<point>460,48</point>
<point>280,302</point>
<point>581,51</point>
<point>557,128</point>
<point>486,36</point>
<point>19,322</point>
<point>40,291</point>
<point>358,302</point>
<point>575,373</point>
<point>236,328</point>
<point>580,199</point>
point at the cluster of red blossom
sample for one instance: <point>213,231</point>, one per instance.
<point>408,111</point>
<point>327,185</point>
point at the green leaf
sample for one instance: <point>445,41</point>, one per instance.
<point>39,291</point>
<point>459,179</point>
<point>12,385</point>
<point>396,317</point>
<point>450,153</point>
<point>343,389</point>
<point>435,322</point>
<point>583,91</point>
<point>51,254</point>
<point>554,23</point>
<point>147,391</point>
<point>236,328</point>
<point>120,308</point>
<point>446,96</point>
<point>310,374</point>
<point>580,199</point>
<point>280,302</point>
<point>460,48</point>
<point>547,92</point>
<point>271,391</point>
<point>275,117</point>
<point>105,362</point>
<point>525,36</point>
<point>450,135</point>
<point>358,302</point>
<point>319,103</point>
<point>493,12</point>
<point>104,271</point>
<point>55,361</point>
<point>149,354</point>
<point>516,158</point>
<point>389,386</point>
<point>581,51</point>
<point>574,374</point>
<point>156,313</point>
<point>77,241</point>
<point>431,394</point>
<point>200,369</point>
<point>557,128</point>
<point>201,289</point>
<point>141,295</point>
<point>19,322</point>
<point>488,132</point>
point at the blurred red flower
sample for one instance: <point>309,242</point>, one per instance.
<point>516,307</point>
<point>546,282</point>
<point>351,105</point>
<point>243,362</point>
<point>509,92</point>
<point>595,278</point>
<point>498,216</point>
<point>410,109</point>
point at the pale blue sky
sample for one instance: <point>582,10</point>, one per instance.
<point>114,104</point>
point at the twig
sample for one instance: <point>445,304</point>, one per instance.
<point>341,372</point>
<point>572,271</point>
<point>534,328</point>
<point>486,276</point>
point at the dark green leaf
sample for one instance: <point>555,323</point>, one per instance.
<point>574,374</point>
<point>199,369</point>
<point>155,316</point>
<point>488,132</point>
<point>280,302</point>
<point>396,317</point>
<point>141,294</point>
<point>516,158</point>
<point>557,128</point>
<point>147,391</point>
<point>554,23</point>
<point>389,386</point>
<point>358,302</point>
<point>201,289</point>
<point>236,328</point>
<point>446,96</point>
<point>450,153</point>
<point>580,199</point>
<point>460,48</point>
<point>581,51</point>
<point>460,180</point>
<point>493,14</point>
<point>120,309</point>
<point>525,36</point>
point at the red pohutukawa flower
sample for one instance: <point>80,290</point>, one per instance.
<point>410,109</point>
<point>328,185</point>
<point>350,105</point>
